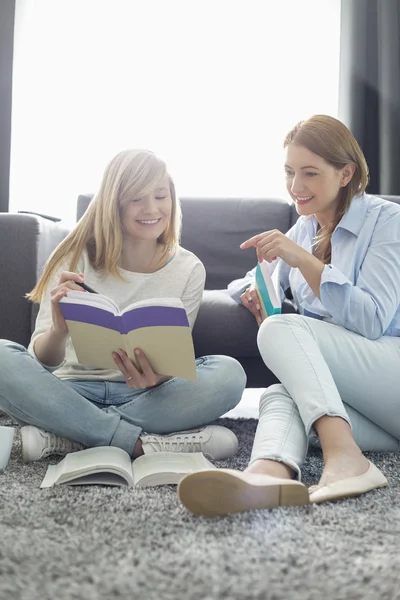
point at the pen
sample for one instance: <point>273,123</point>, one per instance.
<point>86,287</point>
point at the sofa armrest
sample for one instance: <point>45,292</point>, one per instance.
<point>31,212</point>
<point>26,241</point>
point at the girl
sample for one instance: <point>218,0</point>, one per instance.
<point>126,247</point>
<point>338,361</point>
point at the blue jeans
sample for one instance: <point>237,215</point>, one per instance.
<point>325,369</point>
<point>103,413</point>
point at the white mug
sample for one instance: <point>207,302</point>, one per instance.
<point>6,440</point>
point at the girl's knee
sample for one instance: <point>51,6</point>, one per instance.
<point>227,379</point>
<point>7,346</point>
<point>233,373</point>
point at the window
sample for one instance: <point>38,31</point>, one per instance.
<point>212,86</point>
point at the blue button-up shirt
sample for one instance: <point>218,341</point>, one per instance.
<point>360,288</point>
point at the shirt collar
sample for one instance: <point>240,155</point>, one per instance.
<point>354,218</point>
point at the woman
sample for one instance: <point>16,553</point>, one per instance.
<point>338,361</point>
<point>126,247</point>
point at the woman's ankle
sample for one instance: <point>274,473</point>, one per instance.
<point>336,437</point>
<point>273,468</point>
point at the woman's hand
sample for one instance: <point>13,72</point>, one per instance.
<point>251,301</point>
<point>133,377</point>
<point>66,283</point>
<point>273,244</point>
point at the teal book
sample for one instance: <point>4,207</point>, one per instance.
<point>268,289</point>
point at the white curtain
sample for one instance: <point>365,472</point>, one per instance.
<point>212,86</point>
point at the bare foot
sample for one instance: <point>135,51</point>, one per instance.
<point>342,466</point>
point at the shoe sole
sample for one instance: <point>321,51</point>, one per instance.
<point>217,494</point>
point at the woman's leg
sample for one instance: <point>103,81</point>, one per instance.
<point>280,442</point>
<point>321,366</point>
<point>33,396</point>
<point>281,437</point>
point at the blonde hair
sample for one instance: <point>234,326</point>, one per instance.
<point>332,140</point>
<point>129,175</point>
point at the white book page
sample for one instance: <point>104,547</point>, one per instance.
<point>97,300</point>
<point>272,282</point>
<point>106,303</point>
<point>104,459</point>
<point>276,282</point>
<point>167,467</point>
<point>173,302</point>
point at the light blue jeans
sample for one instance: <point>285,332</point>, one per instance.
<point>325,369</point>
<point>103,413</point>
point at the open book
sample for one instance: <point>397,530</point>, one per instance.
<point>159,327</point>
<point>108,465</point>
<point>268,289</point>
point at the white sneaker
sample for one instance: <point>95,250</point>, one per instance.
<point>214,441</point>
<point>37,444</point>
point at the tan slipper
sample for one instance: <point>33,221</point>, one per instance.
<point>353,486</point>
<point>220,492</point>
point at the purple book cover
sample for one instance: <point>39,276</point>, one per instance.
<point>136,318</point>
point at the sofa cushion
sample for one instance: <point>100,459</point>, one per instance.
<point>224,327</point>
<point>214,228</point>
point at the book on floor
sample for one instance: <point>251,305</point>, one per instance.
<point>108,465</point>
<point>159,327</point>
<point>268,289</point>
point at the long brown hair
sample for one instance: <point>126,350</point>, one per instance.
<point>129,175</point>
<point>332,140</point>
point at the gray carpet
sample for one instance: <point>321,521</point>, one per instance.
<point>112,543</point>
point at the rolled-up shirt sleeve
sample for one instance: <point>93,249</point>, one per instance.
<point>238,286</point>
<point>368,306</point>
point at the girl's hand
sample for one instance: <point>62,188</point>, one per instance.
<point>273,244</point>
<point>133,377</point>
<point>251,301</point>
<point>65,284</point>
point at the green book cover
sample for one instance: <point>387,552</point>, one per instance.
<point>268,290</point>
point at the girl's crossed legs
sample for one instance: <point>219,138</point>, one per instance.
<point>107,413</point>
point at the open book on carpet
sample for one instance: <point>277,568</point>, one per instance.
<point>108,465</point>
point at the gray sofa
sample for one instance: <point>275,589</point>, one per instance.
<point>26,241</point>
<point>212,229</point>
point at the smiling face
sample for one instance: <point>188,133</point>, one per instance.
<point>313,183</point>
<point>148,216</point>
